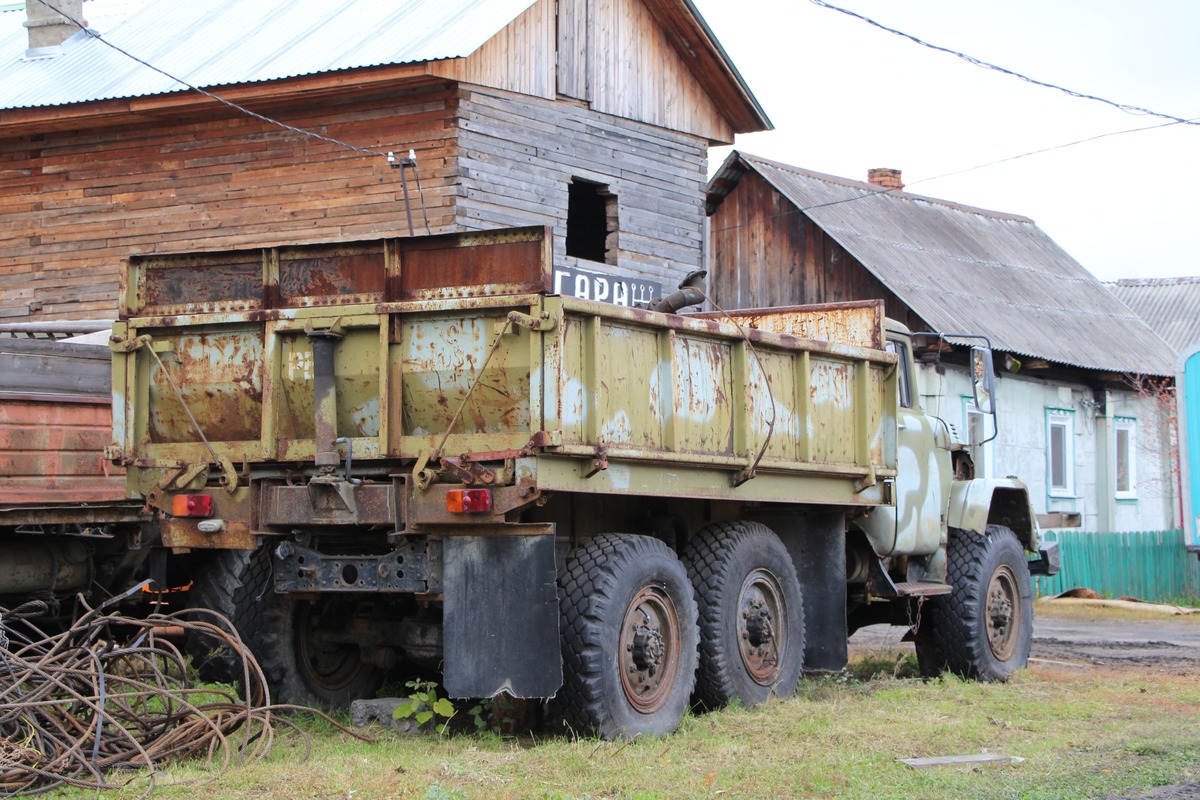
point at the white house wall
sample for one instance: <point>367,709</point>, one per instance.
<point>1020,449</point>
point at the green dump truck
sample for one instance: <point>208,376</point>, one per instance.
<point>410,452</point>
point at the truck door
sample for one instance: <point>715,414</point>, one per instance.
<point>923,474</point>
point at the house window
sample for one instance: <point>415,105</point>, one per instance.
<point>1125,432</point>
<point>591,222</point>
<point>1060,452</point>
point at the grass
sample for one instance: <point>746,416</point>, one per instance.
<point>1082,733</point>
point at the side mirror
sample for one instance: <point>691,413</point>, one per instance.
<point>983,379</point>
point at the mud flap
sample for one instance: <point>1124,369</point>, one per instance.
<point>501,616</point>
<point>817,545</point>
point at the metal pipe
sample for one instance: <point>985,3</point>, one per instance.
<point>31,565</point>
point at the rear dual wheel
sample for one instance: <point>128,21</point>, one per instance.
<point>751,614</point>
<point>629,638</point>
<point>297,643</point>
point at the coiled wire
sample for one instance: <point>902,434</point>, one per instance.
<point>112,693</point>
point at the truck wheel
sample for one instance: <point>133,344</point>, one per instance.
<point>982,629</point>
<point>751,614</point>
<point>284,635</point>
<point>629,638</point>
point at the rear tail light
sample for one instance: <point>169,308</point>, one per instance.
<point>192,505</point>
<point>468,501</point>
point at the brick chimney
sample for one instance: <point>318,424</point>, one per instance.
<point>47,28</point>
<point>885,177</point>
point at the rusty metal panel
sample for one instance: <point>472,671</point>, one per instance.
<point>830,423</point>
<point>204,283</point>
<point>219,376</point>
<point>369,504</point>
<point>702,397</point>
<point>356,382</point>
<point>443,355</point>
<point>857,323</point>
<point>331,274</point>
<point>185,533</point>
<point>507,262</point>
<point>634,385</point>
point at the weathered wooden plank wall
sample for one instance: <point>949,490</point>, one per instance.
<point>616,55</point>
<point>519,154</point>
<point>766,252</point>
<point>520,58</point>
<point>72,205</point>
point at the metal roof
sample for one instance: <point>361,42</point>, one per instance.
<point>221,42</point>
<point>1171,306</point>
<point>969,270</point>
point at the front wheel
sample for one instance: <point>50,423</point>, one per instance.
<point>629,638</point>
<point>984,628</point>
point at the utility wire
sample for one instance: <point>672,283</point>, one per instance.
<point>331,140</point>
<point>987,65</point>
<point>1050,149</point>
<point>1005,160</point>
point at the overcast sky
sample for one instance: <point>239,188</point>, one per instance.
<point>845,96</point>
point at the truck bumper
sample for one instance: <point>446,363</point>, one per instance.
<point>1049,560</point>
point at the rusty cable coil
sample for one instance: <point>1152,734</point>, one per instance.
<point>112,693</point>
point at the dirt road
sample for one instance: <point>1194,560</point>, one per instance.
<point>1170,643</point>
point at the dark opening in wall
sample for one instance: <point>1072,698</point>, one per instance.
<point>591,221</point>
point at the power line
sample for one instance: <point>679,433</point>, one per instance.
<point>1050,149</point>
<point>881,191</point>
<point>1129,109</point>
<point>331,140</point>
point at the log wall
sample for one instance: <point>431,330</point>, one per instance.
<point>74,204</point>
<point>519,154</point>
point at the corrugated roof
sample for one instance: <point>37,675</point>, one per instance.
<point>221,42</point>
<point>1171,306</point>
<point>969,270</point>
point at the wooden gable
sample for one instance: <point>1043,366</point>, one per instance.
<point>763,251</point>
<point>624,57</point>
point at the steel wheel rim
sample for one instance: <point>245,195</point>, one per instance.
<point>761,628</point>
<point>1002,613</point>
<point>648,656</point>
<point>331,666</point>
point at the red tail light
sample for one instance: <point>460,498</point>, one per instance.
<point>468,501</point>
<point>192,505</point>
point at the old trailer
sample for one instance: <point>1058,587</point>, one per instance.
<point>66,521</point>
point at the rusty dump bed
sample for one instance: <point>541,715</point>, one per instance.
<point>55,421</point>
<point>447,358</point>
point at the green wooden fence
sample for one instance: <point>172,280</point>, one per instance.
<point>1148,565</point>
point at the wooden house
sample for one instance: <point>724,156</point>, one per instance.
<point>591,116</point>
<point>1082,420</point>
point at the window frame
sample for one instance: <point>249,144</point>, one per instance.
<point>1063,418</point>
<point>1128,426</point>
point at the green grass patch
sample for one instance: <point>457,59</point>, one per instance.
<point>1082,733</point>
